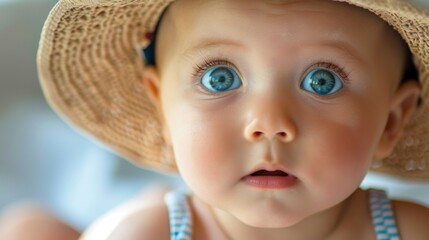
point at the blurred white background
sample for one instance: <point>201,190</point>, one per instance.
<point>43,159</point>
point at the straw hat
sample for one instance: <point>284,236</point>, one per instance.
<point>90,65</point>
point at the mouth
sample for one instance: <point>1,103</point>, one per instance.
<point>265,179</point>
<point>270,173</point>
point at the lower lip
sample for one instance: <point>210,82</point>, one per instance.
<point>271,182</point>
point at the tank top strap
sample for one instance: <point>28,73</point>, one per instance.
<point>383,217</point>
<point>180,217</point>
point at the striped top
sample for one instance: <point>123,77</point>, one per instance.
<point>381,211</point>
<point>383,217</point>
<point>180,216</point>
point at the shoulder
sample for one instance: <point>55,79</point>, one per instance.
<point>150,222</point>
<point>145,217</point>
<point>412,220</point>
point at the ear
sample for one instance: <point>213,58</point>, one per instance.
<point>403,105</point>
<point>152,86</point>
<point>151,82</point>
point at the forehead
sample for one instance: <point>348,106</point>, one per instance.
<point>274,16</point>
<point>285,25</point>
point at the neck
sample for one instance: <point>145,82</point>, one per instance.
<point>322,225</point>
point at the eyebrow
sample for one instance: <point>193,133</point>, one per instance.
<point>210,43</point>
<point>344,47</point>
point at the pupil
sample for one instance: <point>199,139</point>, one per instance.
<point>323,82</point>
<point>221,79</point>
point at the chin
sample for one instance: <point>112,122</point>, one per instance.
<point>269,220</point>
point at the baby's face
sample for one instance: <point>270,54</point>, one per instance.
<point>304,87</point>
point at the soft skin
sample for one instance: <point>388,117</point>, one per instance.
<point>327,142</point>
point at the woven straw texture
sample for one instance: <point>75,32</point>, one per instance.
<point>90,69</point>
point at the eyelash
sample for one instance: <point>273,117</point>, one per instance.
<point>340,71</point>
<point>200,69</point>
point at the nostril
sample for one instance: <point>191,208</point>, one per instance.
<point>257,134</point>
<point>258,130</point>
<point>282,134</point>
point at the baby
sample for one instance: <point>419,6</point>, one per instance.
<point>272,111</point>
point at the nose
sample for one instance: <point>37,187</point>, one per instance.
<point>270,124</point>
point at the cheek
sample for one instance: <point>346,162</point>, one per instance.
<point>205,147</point>
<point>342,145</point>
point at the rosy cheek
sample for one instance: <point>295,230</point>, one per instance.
<point>340,147</point>
<point>204,150</point>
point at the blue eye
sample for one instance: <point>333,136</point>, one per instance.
<point>322,82</point>
<point>221,79</point>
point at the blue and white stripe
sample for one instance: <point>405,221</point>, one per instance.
<point>383,218</point>
<point>180,216</point>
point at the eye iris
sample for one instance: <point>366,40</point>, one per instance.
<point>322,82</point>
<point>221,79</point>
